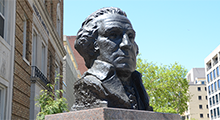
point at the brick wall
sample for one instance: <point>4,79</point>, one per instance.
<point>51,6</point>
<point>22,71</point>
<point>51,63</point>
<point>79,59</point>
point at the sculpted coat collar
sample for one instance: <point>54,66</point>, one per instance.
<point>106,73</point>
<point>101,70</point>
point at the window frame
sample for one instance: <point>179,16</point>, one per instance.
<point>208,78</point>
<point>3,101</point>
<point>199,88</point>
<point>43,58</point>
<point>57,72</point>
<point>201,116</point>
<point>209,89</point>
<point>3,15</point>
<point>200,107</point>
<point>199,97</point>
<point>214,112</point>
<point>58,20</point>
<point>213,100</point>
<point>216,87</point>
<point>214,75</point>
<point>218,113</point>
<point>218,84</point>
<point>25,22</point>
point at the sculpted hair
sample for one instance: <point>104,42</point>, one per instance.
<point>86,37</point>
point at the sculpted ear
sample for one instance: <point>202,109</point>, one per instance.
<point>96,47</point>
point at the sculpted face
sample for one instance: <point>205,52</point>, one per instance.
<point>116,42</point>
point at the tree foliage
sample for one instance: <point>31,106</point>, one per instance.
<point>166,85</point>
<point>50,102</point>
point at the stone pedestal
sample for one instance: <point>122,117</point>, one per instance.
<point>112,114</point>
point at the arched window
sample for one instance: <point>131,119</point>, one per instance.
<point>58,20</point>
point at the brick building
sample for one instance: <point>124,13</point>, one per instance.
<point>31,53</point>
<point>70,73</point>
<point>79,59</point>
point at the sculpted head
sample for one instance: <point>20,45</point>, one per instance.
<point>108,35</point>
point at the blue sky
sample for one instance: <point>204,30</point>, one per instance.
<point>167,31</point>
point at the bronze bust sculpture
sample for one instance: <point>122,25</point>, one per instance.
<point>106,42</point>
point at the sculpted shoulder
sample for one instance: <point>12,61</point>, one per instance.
<point>88,80</point>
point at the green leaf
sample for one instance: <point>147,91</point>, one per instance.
<point>166,85</point>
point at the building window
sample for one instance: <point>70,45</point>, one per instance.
<point>212,88</point>
<point>218,84</point>
<point>209,65</point>
<point>25,40</point>
<point>50,65</point>
<point>219,96</point>
<point>2,17</point>
<point>215,60</point>
<point>203,82</point>
<point>206,97</point>
<point>216,97</point>
<point>209,89</point>
<point>211,113</point>
<point>213,99</point>
<point>199,88</point>
<point>200,97</point>
<point>200,106</point>
<point>214,113</point>
<point>201,115</point>
<point>43,59</point>
<point>208,78</point>
<point>215,86</point>
<point>58,20</point>
<point>207,106</point>
<point>211,76</point>
<point>217,70</point>
<point>218,111</point>
<point>34,49</point>
<point>214,74</point>
<point>205,88</point>
<point>210,101</point>
<point>207,115</point>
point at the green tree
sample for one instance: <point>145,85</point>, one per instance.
<point>166,85</point>
<point>50,101</point>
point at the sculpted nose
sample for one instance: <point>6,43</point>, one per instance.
<point>125,43</point>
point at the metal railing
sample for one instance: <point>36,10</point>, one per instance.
<point>37,73</point>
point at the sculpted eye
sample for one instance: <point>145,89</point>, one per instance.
<point>131,36</point>
<point>113,35</point>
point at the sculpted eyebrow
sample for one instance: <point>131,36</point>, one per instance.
<point>113,28</point>
<point>131,30</point>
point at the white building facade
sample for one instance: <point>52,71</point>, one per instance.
<point>7,43</point>
<point>198,104</point>
<point>212,65</point>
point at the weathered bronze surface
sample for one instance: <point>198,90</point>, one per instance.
<point>106,41</point>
